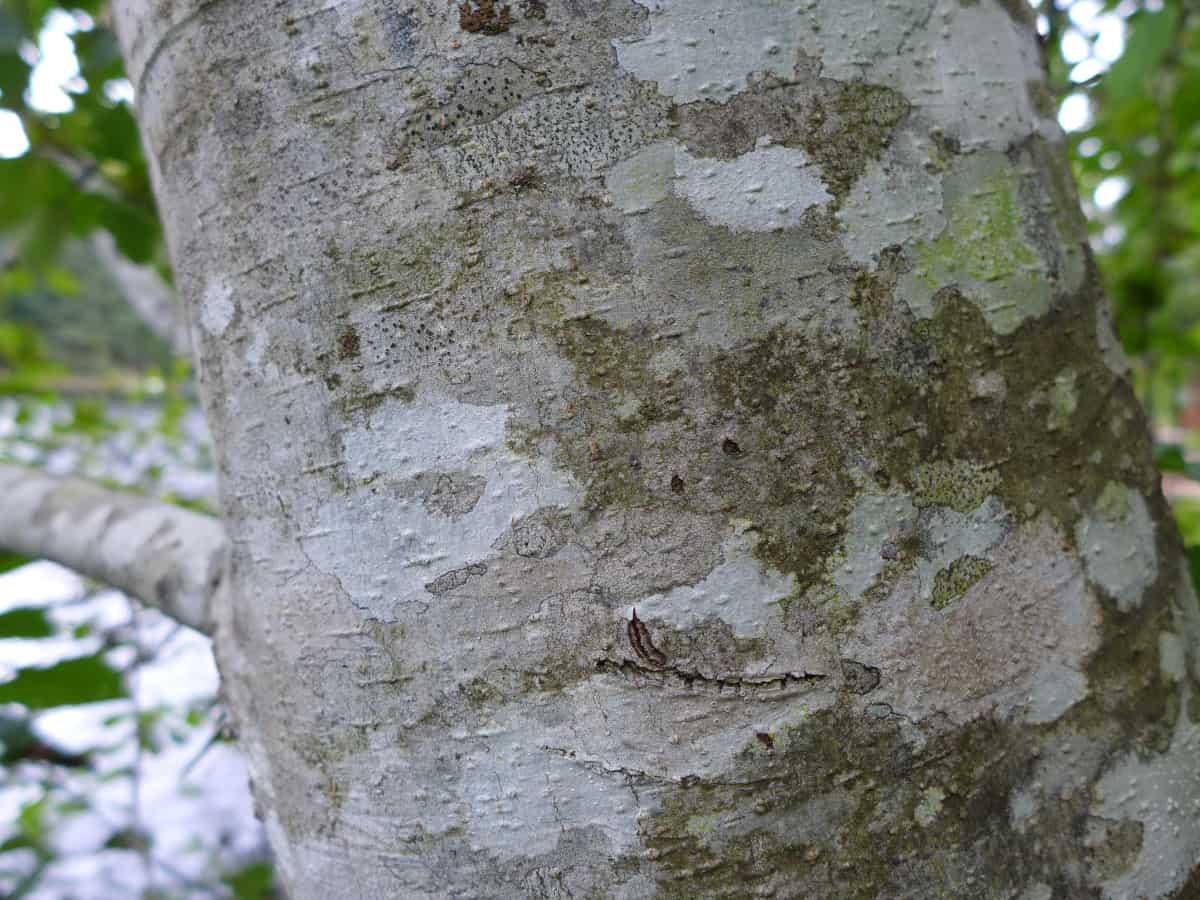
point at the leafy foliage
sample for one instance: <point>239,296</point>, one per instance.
<point>1141,149</point>
<point>1137,163</point>
<point>83,171</point>
<point>25,622</point>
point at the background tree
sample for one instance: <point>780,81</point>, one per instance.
<point>774,335</point>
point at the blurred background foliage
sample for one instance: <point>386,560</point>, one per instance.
<point>1128,77</point>
<point>86,386</point>
<point>72,351</point>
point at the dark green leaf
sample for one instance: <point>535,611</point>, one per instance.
<point>254,882</point>
<point>10,561</point>
<point>25,622</point>
<point>1144,51</point>
<point>85,679</point>
<point>128,839</point>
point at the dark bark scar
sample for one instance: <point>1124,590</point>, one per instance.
<point>643,646</point>
<point>482,17</point>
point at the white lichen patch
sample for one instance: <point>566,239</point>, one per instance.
<point>217,308</point>
<point>257,347</point>
<point>1116,540</point>
<point>896,201</point>
<point>989,387</point>
<point>402,442</point>
<point>1022,807</point>
<point>1188,623</point>
<point>520,791</point>
<point>647,178</point>
<point>702,734</point>
<point>770,187</point>
<point>767,188</point>
<point>949,535</point>
<point>1063,400</point>
<point>1110,344</point>
<point>703,825</point>
<point>964,67</point>
<point>1057,688</point>
<point>876,520</point>
<point>742,592</point>
<point>1031,617</point>
<point>708,49</point>
<point>929,807</point>
<point>1162,792</point>
<point>1172,658</point>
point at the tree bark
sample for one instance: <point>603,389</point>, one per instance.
<point>169,558</point>
<point>670,449</point>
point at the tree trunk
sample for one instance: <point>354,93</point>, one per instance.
<point>671,448</point>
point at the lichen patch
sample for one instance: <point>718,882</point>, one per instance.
<point>1117,542</point>
<point>767,188</point>
<point>983,250</point>
<point>742,591</point>
<point>930,806</point>
<point>931,657</point>
<point>429,465</point>
<point>708,49</point>
<point>1161,793</point>
<point>958,484</point>
<point>949,535</point>
<point>877,521</point>
<point>218,307</point>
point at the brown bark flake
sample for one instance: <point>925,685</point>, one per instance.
<point>643,646</point>
<point>482,17</point>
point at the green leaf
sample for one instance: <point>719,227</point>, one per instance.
<point>16,734</point>
<point>25,622</point>
<point>98,53</point>
<point>1169,458</point>
<point>62,282</point>
<point>85,679</point>
<point>128,839</point>
<point>254,882</point>
<point>17,842</point>
<point>1144,52</point>
<point>10,561</point>
<point>90,415</point>
<point>30,819</point>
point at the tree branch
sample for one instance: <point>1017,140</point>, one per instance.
<point>168,557</point>
<point>151,298</point>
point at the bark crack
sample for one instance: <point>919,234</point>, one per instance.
<point>664,674</point>
<point>635,776</point>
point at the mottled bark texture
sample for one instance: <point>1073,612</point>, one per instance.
<point>169,558</point>
<point>772,322</point>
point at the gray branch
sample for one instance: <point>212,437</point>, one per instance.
<point>151,297</point>
<point>168,557</point>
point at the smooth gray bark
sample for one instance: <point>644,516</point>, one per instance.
<point>169,558</point>
<point>669,449</point>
